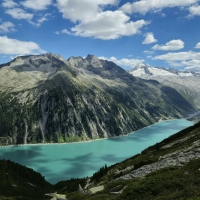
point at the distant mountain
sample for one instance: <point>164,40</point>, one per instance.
<point>187,83</point>
<point>46,98</point>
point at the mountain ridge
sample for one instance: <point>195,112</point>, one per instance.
<point>186,83</point>
<point>46,98</point>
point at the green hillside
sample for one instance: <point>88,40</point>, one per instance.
<point>20,182</point>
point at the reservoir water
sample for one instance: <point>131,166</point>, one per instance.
<point>76,160</point>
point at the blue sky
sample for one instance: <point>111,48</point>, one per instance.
<point>156,32</point>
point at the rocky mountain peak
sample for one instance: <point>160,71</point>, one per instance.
<point>94,61</point>
<point>146,70</point>
<point>141,68</point>
<point>44,63</point>
<point>90,57</point>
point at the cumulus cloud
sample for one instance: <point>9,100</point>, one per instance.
<point>36,4</point>
<point>40,20</point>
<point>93,21</point>
<point>64,31</point>
<point>10,46</point>
<point>193,62</point>
<point>7,27</point>
<point>175,64</point>
<point>194,10</point>
<point>192,65</point>
<point>149,38</point>
<point>124,62</point>
<point>170,46</point>
<point>82,10</point>
<point>9,4</point>
<point>197,45</point>
<point>145,6</point>
<point>104,26</point>
<point>190,59</point>
<point>148,52</point>
<point>188,55</point>
<point>19,13</point>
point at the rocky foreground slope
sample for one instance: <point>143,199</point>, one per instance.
<point>46,98</point>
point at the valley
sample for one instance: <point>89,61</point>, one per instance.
<point>45,99</point>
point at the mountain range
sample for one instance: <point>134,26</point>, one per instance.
<point>47,99</point>
<point>186,83</point>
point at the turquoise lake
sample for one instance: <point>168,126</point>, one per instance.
<point>76,160</point>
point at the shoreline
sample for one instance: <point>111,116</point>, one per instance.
<point>92,140</point>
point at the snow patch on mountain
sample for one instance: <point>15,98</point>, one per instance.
<point>150,71</point>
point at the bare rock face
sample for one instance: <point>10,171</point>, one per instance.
<point>46,98</point>
<point>177,158</point>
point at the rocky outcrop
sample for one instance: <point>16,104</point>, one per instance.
<point>80,189</point>
<point>175,159</point>
<point>177,142</point>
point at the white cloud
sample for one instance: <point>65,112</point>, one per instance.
<point>190,59</point>
<point>124,62</point>
<point>194,10</point>
<point>193,62</point>
<point>7,27</point>
<point>149,38</point>
<point>183,56</point>
<point>10,46</point>
<point>93,21</point>
<point>144,6</point>
<point>175,64</point>
<point>36,4</point>
<point>104,26</point>
<point>163,15</point>
<point>77,10</point>
<point>9,4</point>
<point>19,13</point>
<point>192,65</point>
<point>40,20</point>
<point>197,45</point>
<point>170,46</point>
<point>65,31</point>
<point>148,52</point>
<point>193,69</point>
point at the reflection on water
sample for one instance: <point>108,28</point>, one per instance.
<point>66,161</point>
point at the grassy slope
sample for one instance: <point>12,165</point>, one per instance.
<point>20,182</point>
